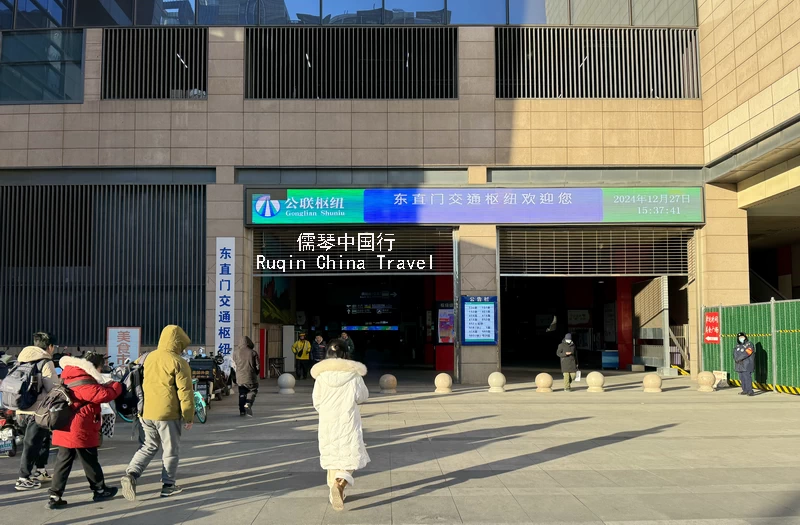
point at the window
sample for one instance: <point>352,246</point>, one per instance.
<point>43,14</point>
<point>160,13</point>
<point>41,66</point>
<point>418,12</point>
<point>476,12</point>
<point>103,13</point>
<point>227,12</point>
<point>6,14</point>
<point>664,12</point>
<point>352,12</point>
<point>529,12</point>
<point>601,12</point>
<point>289,12</point>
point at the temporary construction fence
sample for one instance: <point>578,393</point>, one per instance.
<point>774,330</point>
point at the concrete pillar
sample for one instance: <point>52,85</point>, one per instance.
<point>478,270</point>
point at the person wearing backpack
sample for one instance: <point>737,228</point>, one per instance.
<point>40,373</point>
<point>168,408</point>
<point>81,436</point>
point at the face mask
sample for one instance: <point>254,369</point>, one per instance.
<point>741,339</point>
<point>568,341</point>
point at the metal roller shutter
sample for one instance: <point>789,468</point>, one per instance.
<point>302,248</point>
<point>595,252</point>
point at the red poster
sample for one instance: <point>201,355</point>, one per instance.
<point>711,335</point>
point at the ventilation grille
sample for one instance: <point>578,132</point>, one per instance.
<point>634,252</point>
<point>561,62</point>
<point>155,63</point>
<point>102,255</point>
<point>351,63</point>
<point>406,244</point>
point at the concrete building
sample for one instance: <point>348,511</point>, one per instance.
<point>606,176</point>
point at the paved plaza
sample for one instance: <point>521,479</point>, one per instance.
<point>621,456</point>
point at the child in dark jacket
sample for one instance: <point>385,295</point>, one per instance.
<point>82,437</point>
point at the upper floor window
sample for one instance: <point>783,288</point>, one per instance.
<point>530,12</point>
<point>103,13</point>
<point>6,14</point>
<point>43,14</point>
<point>41,66</point>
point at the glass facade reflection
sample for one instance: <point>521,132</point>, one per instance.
<point>289,12</point>
<point>601,12</point>
<point>227,12</point>
<point>417,12</point>
<point>43,14</point>
<point>6,14</point>
<point>352,12</point>
<point>103,13</point>
<point>165,13</point>
<point>533,12</point>
<point>41,66</point>
<point>477,12</point>
<point>664,13</point>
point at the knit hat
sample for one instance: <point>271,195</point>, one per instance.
<point>568,337</point>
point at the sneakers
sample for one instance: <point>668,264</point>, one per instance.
<point>242,414</point>
<point>248,410</point>
<point>170,490</point>
<point>106,493</point>
<point>337,495</point>
<point>128,483</point>
<point>42,476</point>
<point>28,484</point>
<point>55,503</point>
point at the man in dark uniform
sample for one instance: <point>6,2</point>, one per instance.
<point>745,357</point>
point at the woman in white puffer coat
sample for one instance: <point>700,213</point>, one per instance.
<point>338,390</point>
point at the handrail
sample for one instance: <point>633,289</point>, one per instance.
<point>774,292</point>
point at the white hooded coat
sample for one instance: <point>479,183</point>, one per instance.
<point>338,391</point>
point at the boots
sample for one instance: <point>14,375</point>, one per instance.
<point>337,494</point>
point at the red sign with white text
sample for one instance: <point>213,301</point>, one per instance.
<point>712,335</point>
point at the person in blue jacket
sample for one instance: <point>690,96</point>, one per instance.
<point>744,355</point>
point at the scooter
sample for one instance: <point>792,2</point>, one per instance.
<point>10,434</point>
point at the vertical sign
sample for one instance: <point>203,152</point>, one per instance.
<point>123,343</point>
<point>446,322</point>
<point>225,294</point>
<point>480,320</point>
<point>711,333</point>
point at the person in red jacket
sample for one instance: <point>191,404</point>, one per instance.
<point>82,438</point>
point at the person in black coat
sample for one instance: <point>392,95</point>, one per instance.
<point>245,360</point>
<point>569,361</point>
<point>744,355</point>
<point>318,349</point>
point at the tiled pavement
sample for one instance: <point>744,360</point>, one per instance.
<point>622,456</point>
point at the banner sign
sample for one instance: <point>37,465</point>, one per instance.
<point>480,320</point>
<point>711,332</point>
<point>224,295</point>
<point>123,343</point>
<point>446,206</point>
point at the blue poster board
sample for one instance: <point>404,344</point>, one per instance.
<point>479,320</point>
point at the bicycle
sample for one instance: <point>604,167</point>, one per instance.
<point>200,407</point>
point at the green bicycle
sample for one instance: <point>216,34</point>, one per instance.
<point>200,407</point>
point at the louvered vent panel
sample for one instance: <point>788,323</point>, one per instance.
<point>351,63</point>
<point>577,62</point>
<point>155,63</point>
<point>595,252</point>
<point>407,244</point>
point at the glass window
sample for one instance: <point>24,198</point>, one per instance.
<point>420,12</point>
<point>38,66</point>
<point>476,12</point>
<point>227,12</point>
<point>101,13</point>
<point>43,14</point>
<point>161,13</point>
<point>352,12</point>
<point>6,13</point>
<point>664,13</point>
<point>531,12</point>
<point>289,12</point>
<point>601,12</point>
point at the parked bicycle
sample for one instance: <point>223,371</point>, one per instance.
<point>200,407</point>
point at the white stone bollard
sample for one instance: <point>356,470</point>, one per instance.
<point>286,384</point>
<point>497,382</point>
<point>652,383</point>
<point>706,381</point>
<point>544,382</point>
<point>388,384</point>
<point>444,384</point>
<point>595,380</point>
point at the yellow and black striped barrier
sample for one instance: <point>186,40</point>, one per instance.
<point>769,388</point>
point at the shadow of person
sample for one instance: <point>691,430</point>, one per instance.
<point>761,364</point>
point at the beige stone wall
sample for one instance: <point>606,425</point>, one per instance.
<point>777,180</point>
<point>750,54</point>
<point>227,130</point>
<point>724,264</point>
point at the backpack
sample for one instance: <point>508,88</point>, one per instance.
<point>22,385</point>
<point>134,392</point>
<point>55,412</point>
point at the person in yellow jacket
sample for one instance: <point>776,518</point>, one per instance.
<point>302,356</point>
<point>168,407</point>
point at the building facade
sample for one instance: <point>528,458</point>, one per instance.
<point>135,137</point>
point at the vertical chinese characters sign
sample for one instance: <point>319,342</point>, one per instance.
<point>225,293</point>
<point>712,335</point>
<point>122,343</point>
